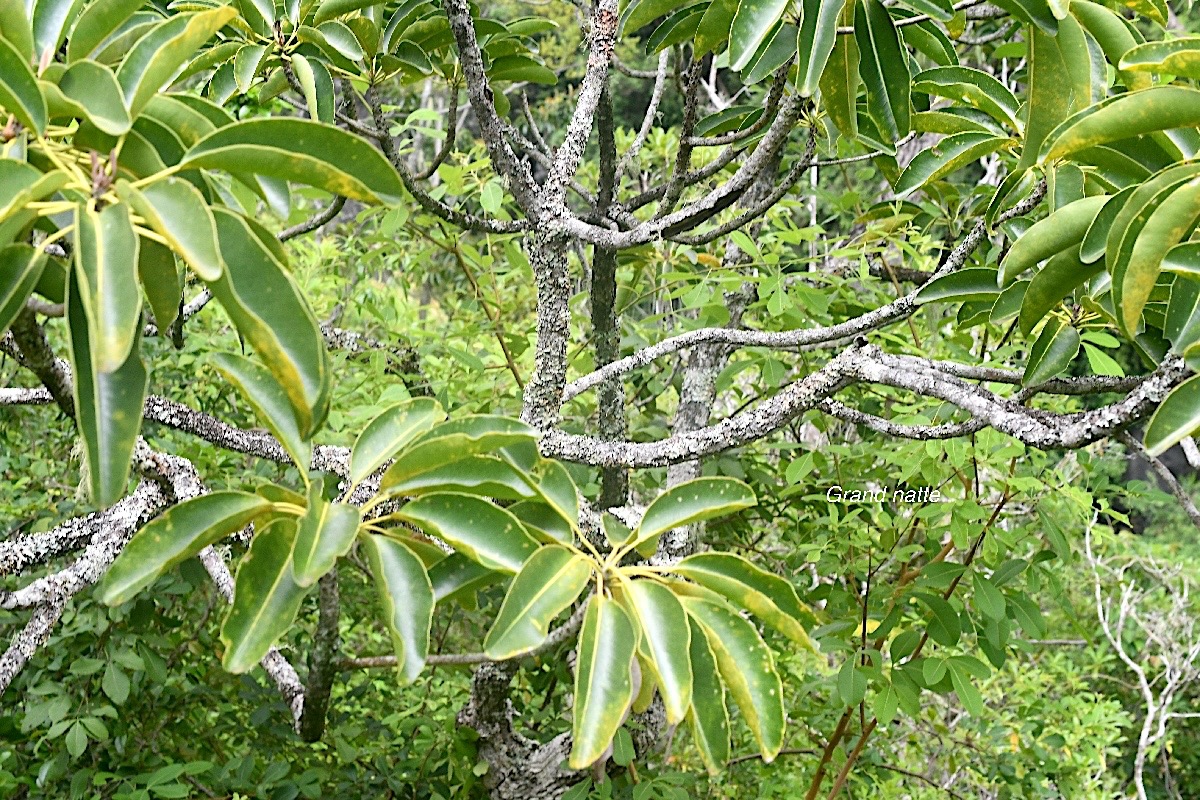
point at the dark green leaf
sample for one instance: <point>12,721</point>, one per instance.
<point>406,596</point>
<point>603,679</point>
<point>549,582</point>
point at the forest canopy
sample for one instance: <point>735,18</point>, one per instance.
<point>651,399</point>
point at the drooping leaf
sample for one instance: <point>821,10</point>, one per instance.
<point>1166,226</point>
<point>1095,239</point>
<point>16,27</point>
<point>160,281</point>
<point>176,211</point>
<point>549,582</point>
<point>482,531</point>
<point>1052,352</point>
<point>752,23</point>
<point>767,596</point>
<point>664,643</point>
<point>1060,83</point>
<point>20,269</point>
<point>406,596</point>
<point>178,534</point>
<point>713,28</point>
<point>262,390</point>
<point>271,313</point>
<point>883,66</point>
<point>603,679</point>
<point>708,717</point>
<point>977,283</point>
<point>1061,275</point>
<point>815,41</point>
<point>456,575</point>
<point>325,534</point>
<point>389,433</point>
<point>265,598</point>
<point>302,151</point>
<point>971,86</point>
<point>50,20</point>
<point>696,500</point>
<point>106,270</point>
<point>1115,36</point>
<point>840,80</point>
<point>747,669</point>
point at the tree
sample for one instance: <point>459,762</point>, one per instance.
<point>142,144</point>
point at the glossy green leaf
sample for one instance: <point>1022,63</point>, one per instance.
<point>389,433</point>
<point>664,643</point>
<point>16,27</point>
<point>989,599</point>
<point>948,155</point>
<point>406,597</point>
<point>708,717</point>
<point>554,485</point>
<point>302,151</point>
<point>50,20</point>
<point>178,534</point>
<point>1063,273</point>
<point>486,476</point>
<point>815,41</point>
<point>1183,259</point>
<point>452,441</point>
<point>752,23</point>
<point>1060,83</point>
<point>1095,239</point>
<point>840,80</point>
<point>1115,36</point>
<point>98,21</point>
<point>1052,352</point>
<point>677,28</point>
<point>176,211</point>
<point>603,679</point>
<point>303,71</point>
<point>696,500</point>
<point>1166,226</point>
<point>747,669</point>
<point>456,575</point>
<point>1062,229</point>
<point>1179,57</point>
<point>767,596</point>
<point>713,30</point>
<point>159,277</point>
<point>331,9</point>
<point>482,531</point>
<point>271,313</point>
<point>977,283</point>
<point>971,86</point>
<point>1155,109</point>
<point>548,583</point>
<point>883,66</point>
<point>19,92</point>
<point>246,64</point>
<point>519,67</point>
<point>641,13</point>
<point>265,598</point>
<point>20,269</point>
<point>157,56</point>
<point>95,89</point>
<point>106,270</point>
<point>270,403</point>
<point>543,522</point>
<point>1177,418</point>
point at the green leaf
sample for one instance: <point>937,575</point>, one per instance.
<point>1158,108</point>
<point>1183,259</point>
<point>160,281</point>
<point>325,534</point>
<point>767,596</point>
<point>94,88</point>
<point>543,522</point>
<point>265,598</point>
<point>977,283</point>
<point>1061,275</point>
<point>50,19</point>
<point>178,534</point>
<point>176,211</point>
<point>1052,352</point>
<point>271,313</point>
<point>485,533</point>
<point>519,67</point>
<point>1178,57</point>
<point>1177,418</point>
<point>1166,226</point>
<point>270,403</point>
<point>1060,83</point>
<point>1096,238</point>
<point>16,28</point>
<point>696,500</point>
<point>406,596</point>
<point>948,155</point>
<point>839,82</point>
<point>389,433</point>
<point>944,628</point>
<point>707,716</point>
<point>554,485</point>
<point>158,55</point>
<point>456,575</point>
<point>452,441</point>
<point>549,582</point>
<point>677,28</point>
<point>714,27</point>
<point>988,598</point>
<point>973,87</point>
<point>115,684</point>
<point>968,695</point>
<point>1115,36</point>
<point>751,25</point>
<point>486,476</point>
<point>603,679</point>
<point>19,92</point>
<point>98,21</point>
<point>663,643</point>
<point>1062,229</point>
<point>20,269</point>
<point>642,12</point>
<point>747,668</point>
<point>883,66</point>
<point>851,684</point>
<point>302,151</point>
<point>331,9</point>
